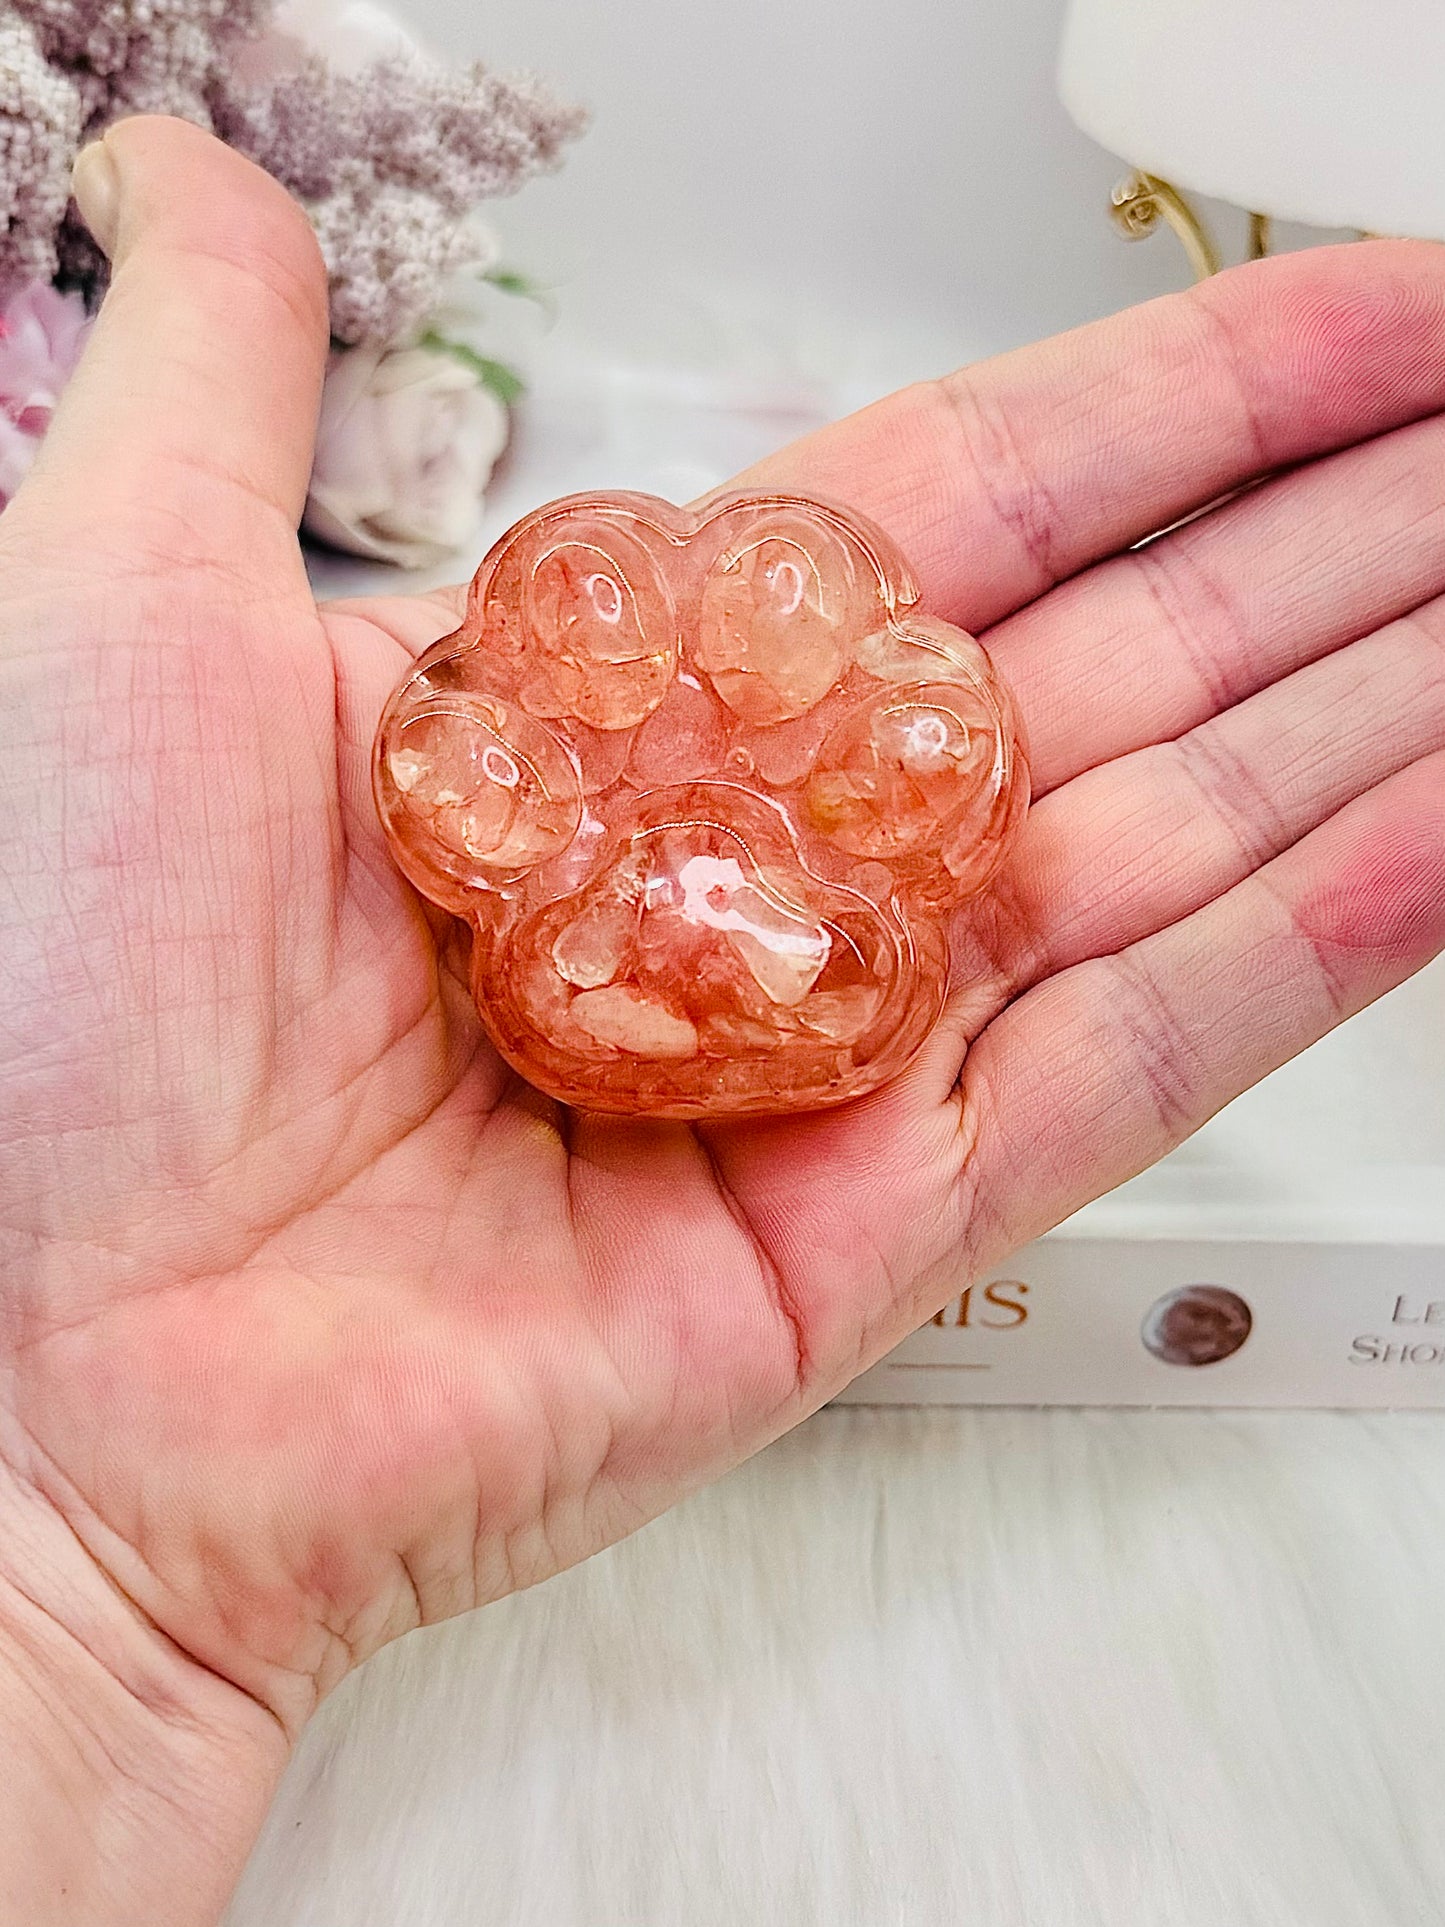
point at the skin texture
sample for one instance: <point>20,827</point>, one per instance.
<point>314,1324</point>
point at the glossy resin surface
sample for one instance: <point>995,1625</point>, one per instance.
<point>706,787</point>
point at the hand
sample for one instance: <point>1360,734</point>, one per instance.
<point>316,1324</point>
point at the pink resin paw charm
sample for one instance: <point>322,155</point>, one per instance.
<point>705,789</point>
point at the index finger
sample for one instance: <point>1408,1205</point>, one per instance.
<point>1008,476</point>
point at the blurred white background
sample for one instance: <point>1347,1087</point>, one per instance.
<point>858,190</point>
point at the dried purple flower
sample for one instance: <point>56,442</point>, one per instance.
<point>40,121</point>
<point>390,161</point>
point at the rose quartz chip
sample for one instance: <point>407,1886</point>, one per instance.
<point>706,787</point>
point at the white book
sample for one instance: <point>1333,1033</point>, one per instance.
<point>1293,1255</point>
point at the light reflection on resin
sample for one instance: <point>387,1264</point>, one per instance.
<point>706,788</point>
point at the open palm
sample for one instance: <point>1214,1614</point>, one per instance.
<point>319,1324</point>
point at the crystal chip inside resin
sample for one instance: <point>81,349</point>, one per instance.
<point>706,787</point>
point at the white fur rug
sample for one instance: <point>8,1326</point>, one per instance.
<point>1020,1669</point>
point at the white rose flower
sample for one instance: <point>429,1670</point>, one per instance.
<point>406,444</point>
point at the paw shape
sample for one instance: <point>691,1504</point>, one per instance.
<point>706,788</point>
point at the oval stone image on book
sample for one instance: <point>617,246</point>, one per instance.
<point>1196,1325</point>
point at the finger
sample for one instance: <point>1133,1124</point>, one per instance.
<point>1130,848</point>
<point>413,622</point>
<point>1004,478</point>
<point>1150,644</point>
<point>193,411</point>
<point>1099,1072</point>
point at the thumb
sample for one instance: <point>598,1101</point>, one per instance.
<point>186,433</point>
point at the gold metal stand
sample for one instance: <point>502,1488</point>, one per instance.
<point>1141,201</point>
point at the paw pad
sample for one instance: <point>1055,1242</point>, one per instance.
<point>705,787</point>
